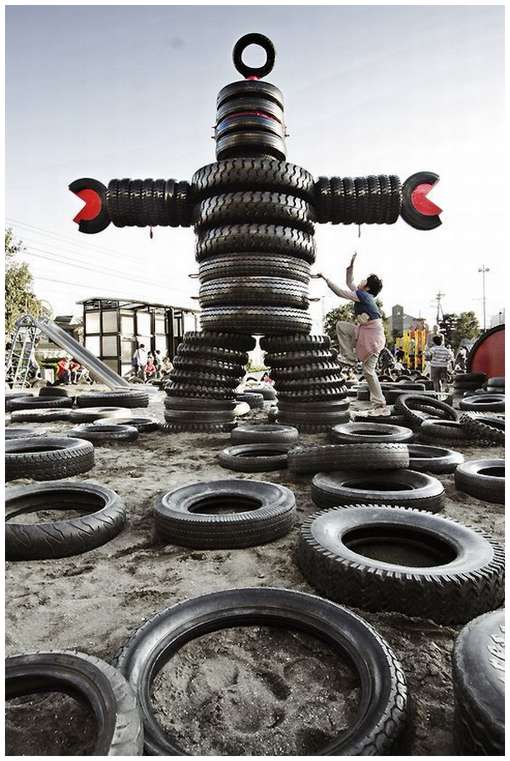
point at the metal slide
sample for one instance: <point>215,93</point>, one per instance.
<point>98,370</point>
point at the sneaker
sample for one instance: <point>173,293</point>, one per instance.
<point>379,410</point>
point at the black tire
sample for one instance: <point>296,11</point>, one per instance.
<point>254,291</point>
<point>444,429</point>
<point>211,340</point>
<point>142,424</point>
<point>198,428</point>
<point>204,379</point>
<point>321,459</point>
<point>267,391</point>
<point>317,381</point>
<point>433,567</point>
<point>297,359</point>
<point>259,143</point>
<point>93,414</point>
<point>333,417</point>
<point>91,680</point>
<point>190,351</point>
<point>47,458</point>
<point>269,514</point>
<point>41,416</point>
<point>391,419</point>
<point>405,488</point>
<point>411,407</point>
<point>38,403</point>
<point>254,103</point>
<point>483,403</point>
<point>478,378</point>
<point>254,38</point>
<point>254,458</point>
<point>252,265</point>
<point>262,207</point>
<point>319,394</point>
<point>113,399</point>
<point>198,416</point>
<point>207,392</point>
<point>483,427</point>
<point>309,370</point>
<point>255,400</point>
<point>433,459</point>
<point>257,320</point>
<point>248,89</point>
<point>22,433</point>
<point>479,686</point>
<point>262,239</point>
<point>484,479</point>
<point>104,518</point>
<point>297,343</point>
<point>190,363</point>
<point>383,686</point>
<point>359,433</point>
<point>338,404</point>
<point>103,433</point>
<point>198,403</point>
<point>247,433</point>
<point>53,391</point>
<point>496,382</point>
<point>252,174</point>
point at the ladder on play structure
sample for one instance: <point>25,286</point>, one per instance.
<point>23,348</point>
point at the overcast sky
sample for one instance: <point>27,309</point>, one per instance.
<point>130,91</point>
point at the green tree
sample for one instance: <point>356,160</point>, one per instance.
<point>467,326</point>
<point>19,296</point>
<point>346,312</point>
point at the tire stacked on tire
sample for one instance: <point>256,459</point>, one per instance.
<point>359,200</point>
<point>254,222</point>
<point>207,369</point>
<point>308,380</point>
<point>468,382</point>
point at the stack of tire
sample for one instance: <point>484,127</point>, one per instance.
<point>496,385</point>
<point>201,392</point>
<point>254,221</point>
<point>468,382</point>
<point>359,200</point>
<point>308,380</point>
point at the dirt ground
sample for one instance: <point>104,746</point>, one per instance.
<point>247,691</point>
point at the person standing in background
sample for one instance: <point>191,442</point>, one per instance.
<point>140,360</point>
<point>440,357</point>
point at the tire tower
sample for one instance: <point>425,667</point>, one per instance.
<point>254,216</point>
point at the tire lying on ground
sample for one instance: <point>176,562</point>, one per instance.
<point>316,459</point>
<point>47,458</point>
<point>482,403</point>
<point>104,517</point>
<point>383,687</point>
<point>53,391</point>
<point>258,513</point>
<point>90,680</point>
<point>484,427</point>
<point>263,433</point>
<point>40,403</point>
<point>41,415</point>
<point>412,407</point>
<point>405,488</point>
<point>443,430</point>
<point>484,479</point>
<point>433,459</point>
<point>22,433</point>
<point>253,458</point>
<point>255,400</point>
<point>133,398</point>
<point>142,424</point>
<point>391,558</point>
<point>102,433</point>
<point>479,686</point>
<point>93,414</point>
<point>358,433</point>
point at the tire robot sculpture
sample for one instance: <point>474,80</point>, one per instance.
<point>254,216</point>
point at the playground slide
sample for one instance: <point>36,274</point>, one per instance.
<point>98,370</point>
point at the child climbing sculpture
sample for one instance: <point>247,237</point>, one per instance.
<point>254,216</point>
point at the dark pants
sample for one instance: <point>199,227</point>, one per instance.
<point>437,374</point>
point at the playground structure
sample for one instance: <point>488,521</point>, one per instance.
<point>254,216</point>
<point>414,345</point>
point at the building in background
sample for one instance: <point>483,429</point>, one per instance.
<point>400,321</point>
<point>498,319</point>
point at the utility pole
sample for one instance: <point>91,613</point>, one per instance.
<point>439,306</point>
<point>483,269</point>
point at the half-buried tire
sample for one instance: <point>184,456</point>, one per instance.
<point>391,558</point>
<point>224,514</point>
<point>327,457</point>
<point>383,687</point>
<point>47,458</point>
<point>423,457</point>
<point>253,458</point>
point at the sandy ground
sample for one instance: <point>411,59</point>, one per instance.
<point>251,691</point>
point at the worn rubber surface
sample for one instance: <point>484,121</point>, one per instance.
<point>104,518</point>
<point>253,399</point>
<point>309,370</point>
<point>193,427</point>
<point>411,407</point>
<point>479,686</point>
<point>405,488</point>
<point>22,433</point>
<point>255,206</point>
<point>92,681</point>
<point>444,429</point>
<point>435,568</point>
<point>258,512</point>
<point>299,343</point>
<point>483,403</point>
<point>198,403</point>
<point>40,416</point>
<point>190,390</point>
<point>52,391</point>
<point>484,479</point>
<point>192,351</point>
<point>252,174</point>
<point>257,320</point>
<point>93,414</point>
<point>142,424</point>
<point>298,359</point>
<point>103,432</point>
<point>254,265</point>
<point>255,291</point>
<point>433,459</point>
<point>260,433</point>
<point>211,340</point>
<point>266,240</point>
<point>383,686</point>
<point>40,403</point>
<point>47,458</point>
<point>254,458</point>
<point>484,427</point>
<point>199,416</point>
<point>113,399</point>
<point>214,378</point>
<point>191,363</point>
<point>323,458</point>
<point>358,433</point>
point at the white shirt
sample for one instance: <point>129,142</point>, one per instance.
<point>140,357</point>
